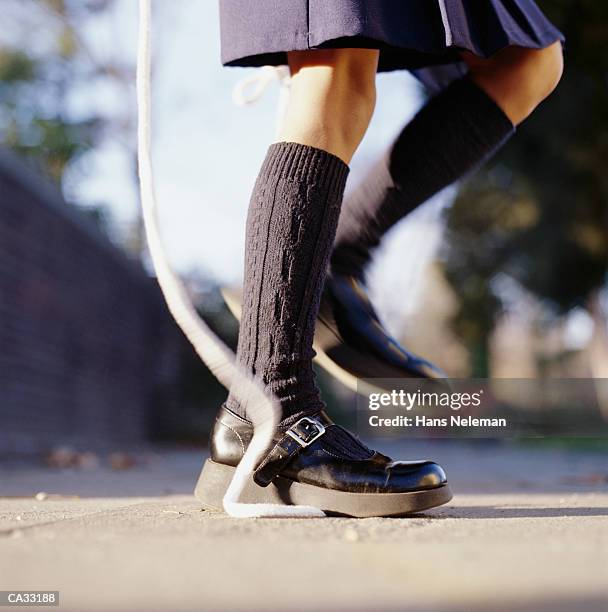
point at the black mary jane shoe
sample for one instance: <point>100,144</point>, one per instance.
<point>318,463</point>
<point>350,335</point>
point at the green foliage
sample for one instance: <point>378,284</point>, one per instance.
<point>34,90</point>
<point>52,142</point>
<point>16,67</point>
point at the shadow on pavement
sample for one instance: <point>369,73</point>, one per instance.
<point>498,512</point>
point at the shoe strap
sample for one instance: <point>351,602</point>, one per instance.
<point>300,435</point>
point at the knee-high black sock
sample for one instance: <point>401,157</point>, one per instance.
<point>291,228</point>
<point>452,134</point>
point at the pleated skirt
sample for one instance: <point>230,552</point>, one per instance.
<point>423,36</point>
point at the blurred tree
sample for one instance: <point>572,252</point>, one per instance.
<point>66,90</point>
<point>539,213</point>
<point>37,80</point>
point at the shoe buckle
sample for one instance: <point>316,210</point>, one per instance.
<point>306,431</point>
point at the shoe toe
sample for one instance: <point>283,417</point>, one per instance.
<point>432,475</point>
<point>414,475</point>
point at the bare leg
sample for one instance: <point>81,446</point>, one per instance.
<point>332,99</point>
<point>518,79</point>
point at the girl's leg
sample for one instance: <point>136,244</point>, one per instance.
<point>290,232</point>
<point>455,132</point>
<point>292,219</point>
<point>518,79</point>
<point>333,93</point>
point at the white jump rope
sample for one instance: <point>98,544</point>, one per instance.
<point>263,410</point>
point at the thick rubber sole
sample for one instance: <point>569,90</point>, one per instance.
<point>215,477</point>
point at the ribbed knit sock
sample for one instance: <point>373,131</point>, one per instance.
<point>452,134</point>
<point>291,228</point>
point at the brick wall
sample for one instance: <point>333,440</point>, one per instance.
<point>89,356</point>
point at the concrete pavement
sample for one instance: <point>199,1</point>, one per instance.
<point>527,530</point>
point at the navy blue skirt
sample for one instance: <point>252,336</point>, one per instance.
<point>410,34</point>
